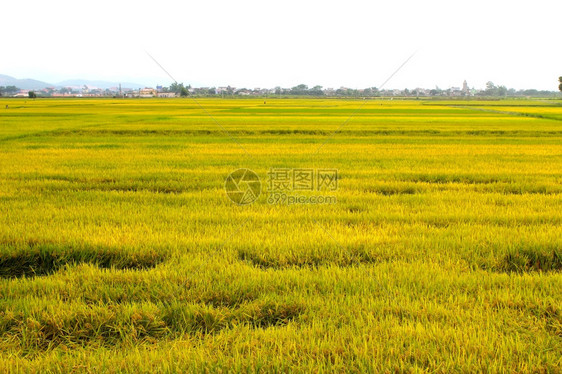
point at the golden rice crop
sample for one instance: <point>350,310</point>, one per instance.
<point>121,251</point>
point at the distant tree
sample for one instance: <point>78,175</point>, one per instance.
<point>179,88</point>
<point>560,85</point>
<point>491,89</point>
<point>502,91</point>
<point>301,89</point>
<point>316,91</point>
<point>32,95</point>
<point>8,90</point>
<point>530,92</point>
<point>175,87</point>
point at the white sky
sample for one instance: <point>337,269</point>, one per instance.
<point>265,44</point>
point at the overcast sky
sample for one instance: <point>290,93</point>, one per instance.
<point>265,44</point>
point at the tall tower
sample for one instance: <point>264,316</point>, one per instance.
<point>465,87</point>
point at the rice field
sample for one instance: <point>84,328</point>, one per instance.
<point>121,251</point>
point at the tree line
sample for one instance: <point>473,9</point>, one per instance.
<point>303,90</point>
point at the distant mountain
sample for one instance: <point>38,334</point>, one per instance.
<point>24,84</point>
<point>32,84</point>
<point>97,84</point>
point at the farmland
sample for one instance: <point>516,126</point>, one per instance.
<point>121,251</point>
